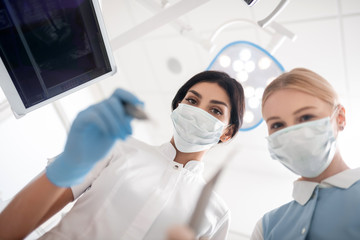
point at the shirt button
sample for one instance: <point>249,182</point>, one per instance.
<point>176,166</point>
<point>303,231</point>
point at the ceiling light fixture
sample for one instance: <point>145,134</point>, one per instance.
<point>252,66</point>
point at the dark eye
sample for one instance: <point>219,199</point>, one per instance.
<point>190,101</point>
<point>216,111</point>
<point>306,118</point>
<point>276,125</point>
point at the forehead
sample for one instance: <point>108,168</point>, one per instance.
<point>287,101</point>
<point>213,91</point>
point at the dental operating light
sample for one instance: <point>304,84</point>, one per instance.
<point>254,68</point>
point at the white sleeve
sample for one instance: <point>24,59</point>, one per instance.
<point>257,233</point>
<point>79,189</point>
<point>116,154</point>
<point>223,228</point>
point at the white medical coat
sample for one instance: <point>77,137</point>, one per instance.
<point>138,192</point>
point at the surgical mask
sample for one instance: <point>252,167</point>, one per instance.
<point>307,149</point>
<point>195,129</point>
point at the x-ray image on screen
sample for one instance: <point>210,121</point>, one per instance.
<point>50,46</point>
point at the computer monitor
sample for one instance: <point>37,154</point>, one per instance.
<point>49,49</point>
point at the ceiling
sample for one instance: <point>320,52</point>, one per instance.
<point>154,64</point>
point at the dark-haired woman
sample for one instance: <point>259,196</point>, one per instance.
<point>128,189</point>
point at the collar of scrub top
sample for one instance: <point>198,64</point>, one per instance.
<point>303,190</point>
<point>194,166</point>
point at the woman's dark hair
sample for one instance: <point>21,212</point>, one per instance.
<point>232,87</point>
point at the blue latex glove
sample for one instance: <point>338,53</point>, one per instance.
<point>92,134</point>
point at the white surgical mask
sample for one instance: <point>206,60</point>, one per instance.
<point>307,149</point>
<point>195,129</point>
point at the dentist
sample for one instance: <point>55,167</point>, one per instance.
<point>128,189</point>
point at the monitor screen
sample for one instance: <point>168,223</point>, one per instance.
<point>49,47</point>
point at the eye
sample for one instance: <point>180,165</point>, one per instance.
<point>191,101</point>
<point>306,117</point>
<point>216,111</point>
<point>276,125</point>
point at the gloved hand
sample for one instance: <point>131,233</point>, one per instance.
<point>91,136</point>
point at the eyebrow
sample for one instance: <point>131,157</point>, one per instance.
<point>302,109</point>
<point>272,118</point>
<point>212,101</point>
<point>294,113</point>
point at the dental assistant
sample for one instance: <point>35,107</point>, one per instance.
<point>128,189</point>
<point>304,118</point>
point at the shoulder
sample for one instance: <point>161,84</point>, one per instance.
<point>130,145</point>
<point>280,210</point>
<point>131,142</point>
<point>274,215</point>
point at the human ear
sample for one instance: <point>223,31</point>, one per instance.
<point>341,119</point>
<point>227,134</point>
<point>176,105</point>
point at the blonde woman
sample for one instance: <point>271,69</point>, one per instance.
<point>304,118</point>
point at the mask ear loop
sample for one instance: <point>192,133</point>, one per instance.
<point>335,111</point>
<point>337,107</point>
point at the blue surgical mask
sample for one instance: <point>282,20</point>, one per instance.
<point>195,129</point>
<point>307,149</point>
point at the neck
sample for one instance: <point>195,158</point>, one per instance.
<point>184,158</point>
<point>336,166</point>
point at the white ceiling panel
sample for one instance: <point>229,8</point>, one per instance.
<point>118,16</point>
<point>352,52</point>
<point>173,60</point>
<point>297,10</point>
<point>216,12</point>
<point>246,33</point>
<point>317,47</point>
<point>141,13</point>
<point>349,6</point>
<point>133,62</point>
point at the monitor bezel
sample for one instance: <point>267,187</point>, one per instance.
<point>16,104</point>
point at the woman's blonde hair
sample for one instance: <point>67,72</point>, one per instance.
<point>303,80</point>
